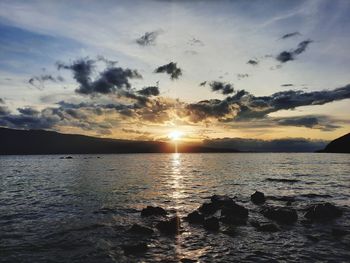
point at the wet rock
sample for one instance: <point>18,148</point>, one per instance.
<point>268,228</point>
<point>258,198</point>
<point>283,215</point>
<point>187,260</point>
<point>140,230</point>
<point>153,211</point>
<point>169,227</point>
<point>132,249</point>
<point>323,212</point>
<point>212,224</point>
<point>221,200</point>
<point>234,210</point>
<point>230,231</point>
<point>195,218</point>
<point>338,232</point>
<point>289,203</point>
<point>233,220</point>
<point>208,208</point>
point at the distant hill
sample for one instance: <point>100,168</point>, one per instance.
<point>339,145</point>
<point>48,142</point>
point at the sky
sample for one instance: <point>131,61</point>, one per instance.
<point>202,69</point>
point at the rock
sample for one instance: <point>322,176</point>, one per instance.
<point>169,227</point>
<point>258,198</point>
<point>323,212</point>
<point>235,210</point>
<point>208,208</point>
<point>233,220</point>
<point>187,260</point>
<point>212,224</point>
<point>338,232</point>
<point>153,211</point>
<point>141,230</point>
<point>289,203</point>
<point>268,228</point>
<point>139,248</point>
<point>195,218</point>
<point>221,200</point>
<point>283,215</point>
<point>230,231</point>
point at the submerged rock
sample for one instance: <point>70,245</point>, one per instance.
<point>132,249</point>
<point>258,198</point>
<point>153,211</point>
<point>169,227</point>
<point>208,208</point>
<point>141,230</point>
<point>211,223</point>
<point>235,210</point>
<point>268,228</point>
<point>195,218</point>
<point>283,215</point>
<point>323,212</point>
<point>221,200</point>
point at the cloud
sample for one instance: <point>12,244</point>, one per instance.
<point>287,85</point>
<point>243,105</point>
<point>195,42</point>
<point>242,76</point>
<point>2,101</point>
<point>149,38</point>
<point>312,122</point>
<point>290,35</point>
<point>149,91</point>
<point>253,62</point>
<point>202,84</point>
<point>170,69</point>
<point>222,87</point>
<point>286,56</point>
<point>38,81</point>
<point>108,81</point>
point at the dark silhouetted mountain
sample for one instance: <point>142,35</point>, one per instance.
<point>48,142</point>
<point>339,145</point>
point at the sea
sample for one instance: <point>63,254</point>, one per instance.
<point>79,209</point>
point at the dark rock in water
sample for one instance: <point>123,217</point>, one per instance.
<point>208,208</point>
<point>211,223</point>
<point>169,227</point>
<point>283,215</point>
<point>195,218</point>
<point>254,223</point>
<point>187,260</point>
<point>323,212</point>
<point>258,198</point>
<point>289,203</point>
<point>338,232</point>
<point>234,210</point>
<point>268,228</point>
<point>230,231</point>
<point>231,219</point>
<point>138,248</point>
<point>141,230</point>
<point>221,200</point>
<point>153,211</point>
<point>282,180</point>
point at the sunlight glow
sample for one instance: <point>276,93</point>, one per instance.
<point>175,135</point>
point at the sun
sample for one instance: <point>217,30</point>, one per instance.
<point>175,135</point>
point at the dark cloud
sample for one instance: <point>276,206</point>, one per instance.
<point>108,81</point>
<point>195,42</point>
<point>253,62</point>
<point>149,38</point>
<point>170,69</point>
<point>287,85</point>
<point>243,105</point>
<point>38,81</point>
<point>313,122</point>
<point>290,35</point>
<point>254,145</point>
<point>202,84</point>
<point>242,76</point>
<point>286,56</point>
<point>222,87</point>
<point>2,101</point>
<point>149,91</point>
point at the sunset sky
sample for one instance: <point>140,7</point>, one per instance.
<point>202,69</point>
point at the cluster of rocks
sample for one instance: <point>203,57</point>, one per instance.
<point>223,210</point>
